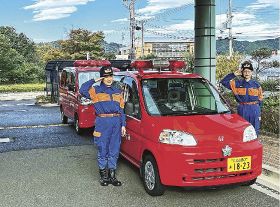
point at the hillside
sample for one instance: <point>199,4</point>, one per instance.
<point>247,47</point>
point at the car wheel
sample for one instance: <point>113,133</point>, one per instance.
<point>76,125</point>
<point>251,182</point>
<point>151,177</point>
<point>64,119</point>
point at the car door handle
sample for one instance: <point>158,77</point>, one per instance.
<point>127,136</point>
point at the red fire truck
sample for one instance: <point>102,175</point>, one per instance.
<point>181,132</point>
<point>72,104</point>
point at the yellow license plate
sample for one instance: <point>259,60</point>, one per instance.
<point>236,164</point>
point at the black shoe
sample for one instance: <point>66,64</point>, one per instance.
<point>103,177</point>
<point>112,178</point>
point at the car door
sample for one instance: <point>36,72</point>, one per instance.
<point>131,143</point>
<point>72,94</point>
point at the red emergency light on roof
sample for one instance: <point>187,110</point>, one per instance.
<point>91,63</point>
<point>142,64</point>
<point>174,65</point>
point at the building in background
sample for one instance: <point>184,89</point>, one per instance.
<point>165,49</point>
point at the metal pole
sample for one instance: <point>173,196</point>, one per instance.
<point>230,38</point>
<point>132,29</point>
<point>205,39</point>
<point>142,45</point>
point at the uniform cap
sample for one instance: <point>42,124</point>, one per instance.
<point>247,65</point>
<point>106,71</point>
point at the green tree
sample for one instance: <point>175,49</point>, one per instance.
<point>260,55</point>
<point>189,58</point>
<point>48,52</point>
<point>19,62</point>
<point>227,65</point>
<point>81,42</point>
<point>21,43</point>
<point>148,57</point>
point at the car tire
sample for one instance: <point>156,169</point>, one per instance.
<point>251,182</point>
<point>64,119</point>
<point>151,179</point>
<point>76,125</point>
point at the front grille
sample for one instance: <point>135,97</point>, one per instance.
<point>211,169</point>
<point>220,176</point>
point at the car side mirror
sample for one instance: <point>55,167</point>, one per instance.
<point>71,87</point>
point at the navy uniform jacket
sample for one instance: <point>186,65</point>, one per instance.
<point>106,100</point>
<point>244,92</point>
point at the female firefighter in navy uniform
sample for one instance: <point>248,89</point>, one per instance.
<point>109,125</point>
<point>247,92</point>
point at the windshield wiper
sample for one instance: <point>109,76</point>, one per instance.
<point>225,112</point>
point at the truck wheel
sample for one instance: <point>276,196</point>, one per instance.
<point>64,119</point>
<point>151,177</point>
<point>76,125</point>
<point>251,182</point>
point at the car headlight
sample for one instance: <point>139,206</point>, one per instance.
<point>168,136</point>
<point>249,134</point>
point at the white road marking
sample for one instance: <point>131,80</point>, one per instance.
<point>4,140</point>
<point>33,126</point>
<point>266,188</point>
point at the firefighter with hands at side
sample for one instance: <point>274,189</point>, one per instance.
<point>109,124</point>
<point>247,92</point>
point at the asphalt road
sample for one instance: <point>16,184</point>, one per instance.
<point>47,164</point>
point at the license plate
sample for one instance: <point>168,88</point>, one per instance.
<point>236,164</point>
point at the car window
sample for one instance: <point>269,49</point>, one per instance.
<point>86,76</point>
<point>181,96</point>
<point>131,97</point>
<point>63,78</point>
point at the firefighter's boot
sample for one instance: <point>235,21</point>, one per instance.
<point>104,177</point>
<point>112,178</point>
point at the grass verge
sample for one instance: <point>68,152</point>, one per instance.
<point>22,87</point>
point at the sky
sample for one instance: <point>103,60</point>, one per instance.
<point>50,20</point>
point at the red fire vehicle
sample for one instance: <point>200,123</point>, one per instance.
<point>72,104</point>
<point>181,132</point>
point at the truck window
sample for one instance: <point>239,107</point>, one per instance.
<point>131,98</point>
<point>85,76</point>
<point>63,79</point>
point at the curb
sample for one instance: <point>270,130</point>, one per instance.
<point>271,176</point>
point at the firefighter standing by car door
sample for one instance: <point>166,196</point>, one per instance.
<point>109,125</point>
<point>247,92</point>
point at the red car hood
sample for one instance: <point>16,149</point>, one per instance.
<point>205,128</point>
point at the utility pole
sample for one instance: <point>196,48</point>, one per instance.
<point>132,29</point>
<point>229,27</point>
<point>142,39</point>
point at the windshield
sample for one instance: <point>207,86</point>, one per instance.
<point>182,96</point>
<point>85,76</point>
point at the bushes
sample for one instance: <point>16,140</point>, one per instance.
<point>270,85</point>
<point>270,112</point>
<point>270,115</point>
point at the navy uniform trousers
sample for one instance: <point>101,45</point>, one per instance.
<point>108,104</point>
<point>249,96</point>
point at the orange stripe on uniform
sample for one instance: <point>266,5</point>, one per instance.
<point>232,86</point>
<point>260,94</point>
<point>92,94</point>
<point>118,98</point>
<point>253,91</point>
<point>241,91</point>
<point>103,97</point>
<point>122,102</point>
